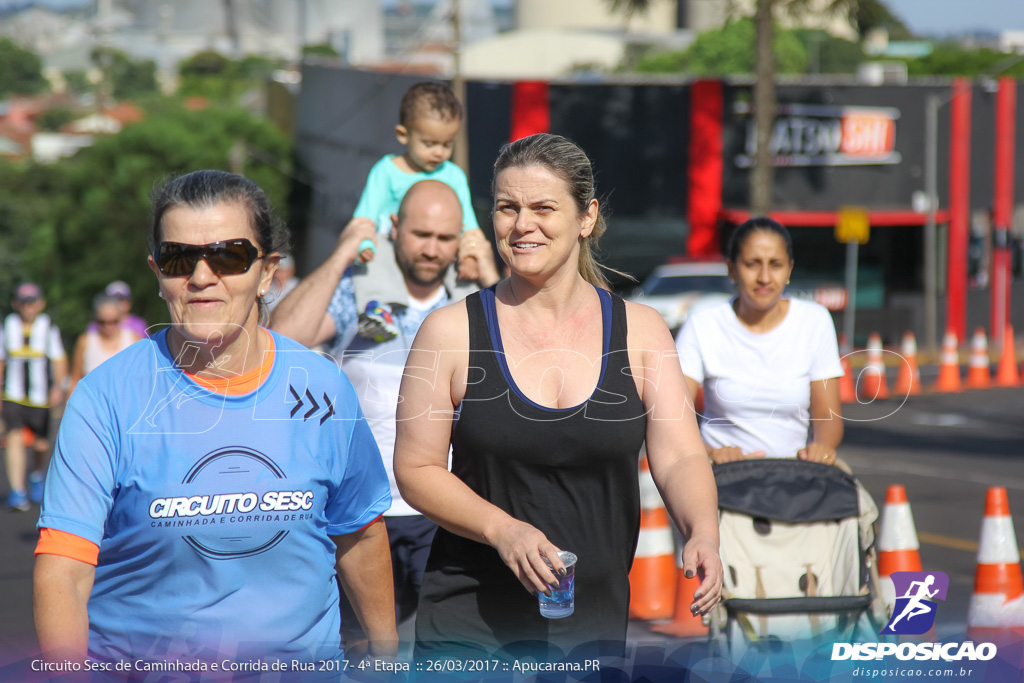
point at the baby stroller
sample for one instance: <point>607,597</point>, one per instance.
<point>797,548</point>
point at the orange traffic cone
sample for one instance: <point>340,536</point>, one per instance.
<point>845,347</point>
<point>979,375</point>
<point>949,371</point>
<point>847,388</point>
<point>1006,372</point>
<point>872,384</point>
<point>684,623</point>
<point>997,602</point>
<point>652,580</point>
<point>908,383</point>
<point>898,548</point>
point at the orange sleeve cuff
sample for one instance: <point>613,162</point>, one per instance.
<point>54,542</point>
<point>379,517</point>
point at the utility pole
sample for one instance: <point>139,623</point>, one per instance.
<point>231,26</point>
<point>762,176</point>
<point>461,154</point>
<point>931,152</point>
<point>303,24</point>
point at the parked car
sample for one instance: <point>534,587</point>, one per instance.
<point>677,290</point>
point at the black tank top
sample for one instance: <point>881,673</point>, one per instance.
<point>572,473</point>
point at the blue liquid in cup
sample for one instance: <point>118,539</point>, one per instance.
<point>559,605</point>
<point>561,602</point>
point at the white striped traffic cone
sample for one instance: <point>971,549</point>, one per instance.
<point>949,370</point>
<point>872,385</point>
<point>979,374</point>
<point>652,580</point>
<point>997,604</point>
<point>898,547</point>
<point>908,383</point>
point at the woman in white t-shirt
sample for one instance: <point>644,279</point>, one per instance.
<point>767,362</point>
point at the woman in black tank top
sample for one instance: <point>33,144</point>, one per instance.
<point>546,386</point>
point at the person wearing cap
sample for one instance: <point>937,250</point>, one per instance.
<point>33,367</point>
<point>119,290</point>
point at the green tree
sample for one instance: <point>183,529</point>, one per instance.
<point>54,118</point>
<point>74,235</point>
<point>954,60</point>
<point>21,70</point>
<point>77,81</point>
<point>28,193</point>
<point>827,54</point>
<point>729,50</point>
<point>319,50</point>
<point>126,78</point>
<point>871,14</point>
<point>212,75</point>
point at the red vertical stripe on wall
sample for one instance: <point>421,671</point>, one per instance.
<point>705,169</point>
<point>531,109</point>
<point>959,207</point>
<point>1002,205</point>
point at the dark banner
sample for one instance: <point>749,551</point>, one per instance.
<point>637,138</point>
<point>834,145</point>
<point>344,122</point>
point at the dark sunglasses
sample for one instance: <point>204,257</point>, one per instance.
<point>231,257</point>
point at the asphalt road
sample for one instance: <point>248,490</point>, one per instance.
<point>945,449</point>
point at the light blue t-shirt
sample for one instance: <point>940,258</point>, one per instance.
<point>213,513</point>
<point>387,184</point>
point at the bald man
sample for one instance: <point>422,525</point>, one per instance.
<point>367,315</point>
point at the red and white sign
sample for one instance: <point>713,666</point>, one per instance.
<point>818,135</point>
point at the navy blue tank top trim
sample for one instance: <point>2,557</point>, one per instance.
<point>491,316</point>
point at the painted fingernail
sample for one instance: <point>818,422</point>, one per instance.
<point>689,573</point>
<point>696,596</point>
<point>562,572</point>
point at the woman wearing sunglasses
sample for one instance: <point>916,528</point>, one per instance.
<point>97,346</point>
<point>212,483</point>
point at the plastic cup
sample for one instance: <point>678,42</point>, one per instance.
<point>561,602</point>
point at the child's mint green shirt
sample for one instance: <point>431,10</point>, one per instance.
<point>387,184</point>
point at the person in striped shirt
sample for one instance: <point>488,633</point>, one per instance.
<point>33,367</point>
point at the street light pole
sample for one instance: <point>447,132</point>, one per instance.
<point>931,133</point>
<point>461,155</point>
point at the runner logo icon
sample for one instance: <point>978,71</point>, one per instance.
<point>914,612</point>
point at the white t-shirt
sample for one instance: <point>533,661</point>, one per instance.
<point>757,387</point>
<point>376,368</point>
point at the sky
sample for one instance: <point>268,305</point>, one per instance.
<point>927,17</point>
<point>943,17</point>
